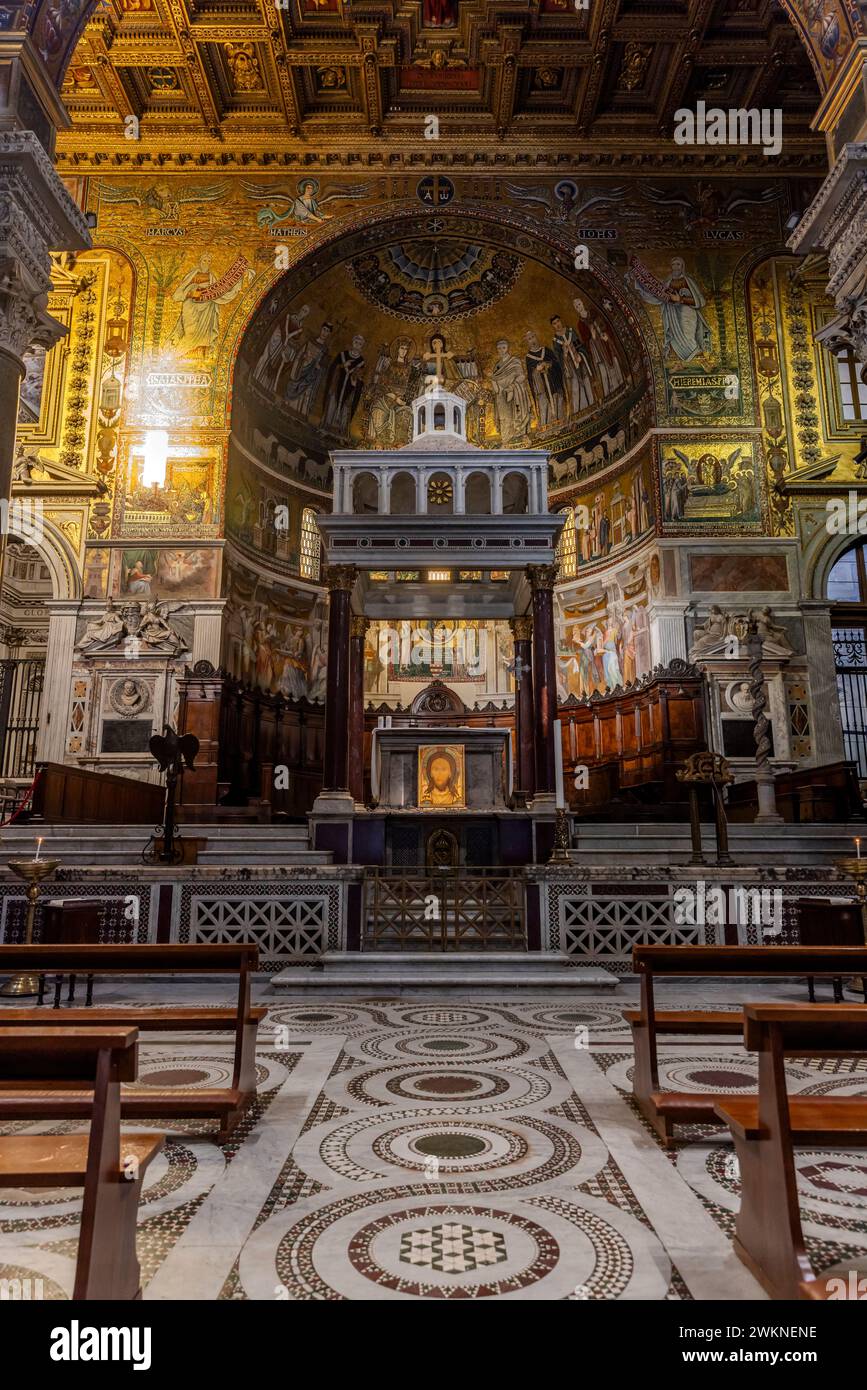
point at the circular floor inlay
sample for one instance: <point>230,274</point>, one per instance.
<point>445,1017</point>
<point>448,1085</point>
<point>453,1252</point>
<point>447,1044</point>
<point>314,1018</point>
<point>722,1078</point>
<point>450,1145</point>
<point>178,1076</point>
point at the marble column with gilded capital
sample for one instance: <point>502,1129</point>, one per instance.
<point>542,579</point>
<point>340,581</point>
<point>358,626</point>
<point>525,745</point>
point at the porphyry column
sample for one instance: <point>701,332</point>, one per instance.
<point>525,751</point>
<point>358,626</point>
<point>340,580</point>
<point>542,579</point>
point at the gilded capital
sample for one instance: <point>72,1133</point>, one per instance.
<point>522,628</point>
<point>340,578</point>
<point>542,576</point>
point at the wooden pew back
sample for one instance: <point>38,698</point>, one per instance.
<point>68,1054</point>
<point>750,960</point>
<point>126,959</point>
<point>107,1266</point>
<point>806,1030</point>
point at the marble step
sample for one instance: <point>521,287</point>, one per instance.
<point>794,845</point>
<point>214,834</point>
<point>79,846</point>
<point>280,854</point>
<point>390,972</point>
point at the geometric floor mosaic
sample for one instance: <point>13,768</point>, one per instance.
<point>447,1148</point>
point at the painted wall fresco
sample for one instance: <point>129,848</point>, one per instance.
<point>609,517</point>
<point>276,640</point>
<point>475,658</point>
<point>603,634</point>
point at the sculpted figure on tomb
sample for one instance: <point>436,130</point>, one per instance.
<point>104,630</point>
<point>775,640</point>
<point>709,634</point>
<point>154,631</point>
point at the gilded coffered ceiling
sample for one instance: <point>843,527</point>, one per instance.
<point>408,83</point>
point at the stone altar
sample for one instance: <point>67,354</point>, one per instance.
<point>485,783</point>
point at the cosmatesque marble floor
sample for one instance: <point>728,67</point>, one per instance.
<point>446,1148</point>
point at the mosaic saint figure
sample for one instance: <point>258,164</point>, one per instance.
<point>308,370</point>
<point>397,379</point>
<point>575,365</point>
<point>685,330</point>
<point>279,352</point>
<point>343,387</point>
<point>606,358</point>
<point>198,324</point>
<point>545,378</point>
<point>512,404</point>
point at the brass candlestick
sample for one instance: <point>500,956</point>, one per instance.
<point>33,871</point>
<point>562,838</point>
<point>856,869</point>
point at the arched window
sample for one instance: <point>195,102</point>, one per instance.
<point>439,417</point>
<point>457,426</point>
<point>310,545</point>
<point>852,386</point>
<point>477,494</point>
<point>365,494</point>
<point>422,417</point>
<point>515,493</point>
<point>847,590</point>
<point>566,548</point>
<point>402,495</point>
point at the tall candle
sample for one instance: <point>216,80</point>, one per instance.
<point>858,845</point>
<point>38,846</point>
<point>560,800</point>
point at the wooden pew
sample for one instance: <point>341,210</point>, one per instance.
<point>109,1165</point>
<point>665,1109</point>
<point>769,1238</point>
<point>226,1104</point>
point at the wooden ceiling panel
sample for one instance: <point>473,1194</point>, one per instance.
<point>537,78</point>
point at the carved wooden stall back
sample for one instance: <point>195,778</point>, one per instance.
<point>631,741</point>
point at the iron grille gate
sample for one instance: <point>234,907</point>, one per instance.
<point>850,658</point>
<point>21,682</point>
<point>446,910</point>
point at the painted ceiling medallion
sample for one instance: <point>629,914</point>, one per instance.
<point>435,278</point>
